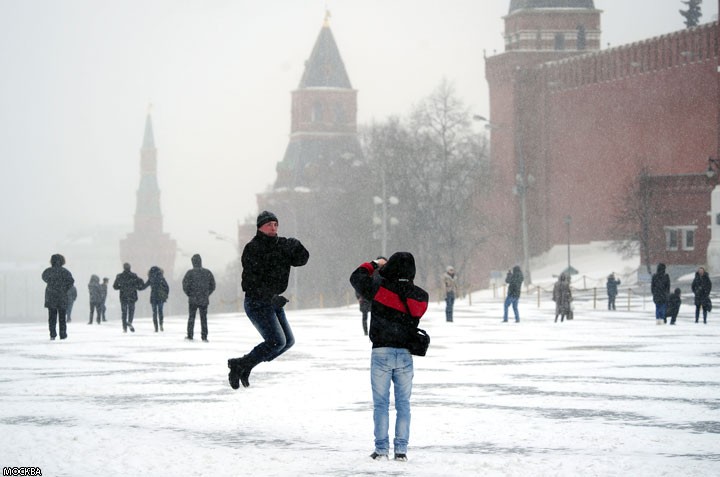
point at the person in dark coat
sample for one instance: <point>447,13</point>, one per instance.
<point>159,292</point>
<point>95,292</point>
<point>451,289</point>
<point>660,288</point>
<point>72,296</point>
<point>128,283</point>
<point>198,284</point>
<point>562,296</point>
<point>364,310</point>
<point>266,262</point>
<point>674,305</point>
<point>59,281</point>
<point>514,280</point>
<point>396,309</point>
<point>103,297</point>
<point>701,287</point>
<point>612,290</point>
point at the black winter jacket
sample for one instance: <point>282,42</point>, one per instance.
<point>266,265</point>
<point>660,285</point>
<point>59,280</point>
<point>128,283</point>
<point>397,304</point>
<point>701,287</point>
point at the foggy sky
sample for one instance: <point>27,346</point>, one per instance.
<point>78,76</point>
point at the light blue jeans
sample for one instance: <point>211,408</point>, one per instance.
<point>391,365</point>
<point>511,300</point>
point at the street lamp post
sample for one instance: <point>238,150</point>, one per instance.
<point>713,248</point>
<point>236,246</point>
<point>383,221</point>
<point>568,221</point>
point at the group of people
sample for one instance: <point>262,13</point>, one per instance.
<point>668,304</point>
<point>384,287</point>
<point>198,284</point>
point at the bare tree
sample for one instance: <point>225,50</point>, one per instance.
<point>632,218</point>
<point>437,167</point>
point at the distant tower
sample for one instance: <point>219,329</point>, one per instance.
<point>147,244</point>
<point>536,32</point>
<point>322,191</point>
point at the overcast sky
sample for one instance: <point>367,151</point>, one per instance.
<point>78,75</point>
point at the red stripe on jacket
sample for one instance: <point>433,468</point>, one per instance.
<point>390,299</point>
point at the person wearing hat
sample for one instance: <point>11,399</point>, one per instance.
<point>450,292</point>
<point>266,262</point>
<point>396,308</point>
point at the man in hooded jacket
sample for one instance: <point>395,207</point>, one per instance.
<point>59,280</point>
<point>660,289</point>
<point>266,262</point>
<point>198,284</point>
<point>396,308</point>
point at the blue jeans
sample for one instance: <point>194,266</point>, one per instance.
<point>660,311</point>
<point>396,365</point>
<point>511,300</point>
<point>127,309</point>
<point>157,309</point>
<point>449,302</point>
<point>274,328</point>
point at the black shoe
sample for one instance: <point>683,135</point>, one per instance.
<point>52,338</point>
<point>401,457</point>
<point>90,322</point>
<point>131,328</point>
<point>188,338</point>
<point>161,328</point>
<point>205,340</point>
<point>234,374</point>
<point>376,456</point>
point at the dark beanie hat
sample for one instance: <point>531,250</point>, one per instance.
<point>265,217</point>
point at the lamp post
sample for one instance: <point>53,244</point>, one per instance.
<point>568,221</point>
<point>713,248</point>
<point>382,220</point>
<point>236,246</point>
<point>523,181</point>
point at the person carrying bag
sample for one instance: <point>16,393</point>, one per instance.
<point>397,305</point>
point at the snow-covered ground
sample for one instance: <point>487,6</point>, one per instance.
<point>609,393</point>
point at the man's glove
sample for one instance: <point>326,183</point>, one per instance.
<point>278,301</point>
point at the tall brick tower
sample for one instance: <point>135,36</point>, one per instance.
<point>536,32</point>
<point>147,244</point>
<point>322,194</point>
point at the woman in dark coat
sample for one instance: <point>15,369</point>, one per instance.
<point>660,288</point>
<point>562,296</point>
<point>701,287</point>
<point>159,292</point>
<point>59,281</point>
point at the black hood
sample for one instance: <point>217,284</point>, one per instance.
<point>400,266</point>
<point>661,268</point>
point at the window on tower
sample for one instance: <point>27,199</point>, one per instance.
<point>559,41</point>
<point>317,112</point>
<point>581,38</point>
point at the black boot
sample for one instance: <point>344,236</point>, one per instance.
<point>239,372</point>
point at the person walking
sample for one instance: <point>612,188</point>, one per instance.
<point>103,297</point>
<point>450,292</point>
<point>72,296</point>
<point>266,262</point>
<point>514,280</point>
<point>612,290</point>
<point>701,287</point>
<point>660,289</point>
<point>59,281</point>
<point>159,292</point>
<point>562,296</point>
<point>396,309</point>
<point>95,292</point>
<point>198,284</point>
<point>128,283</point>
<point>674,305</point>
